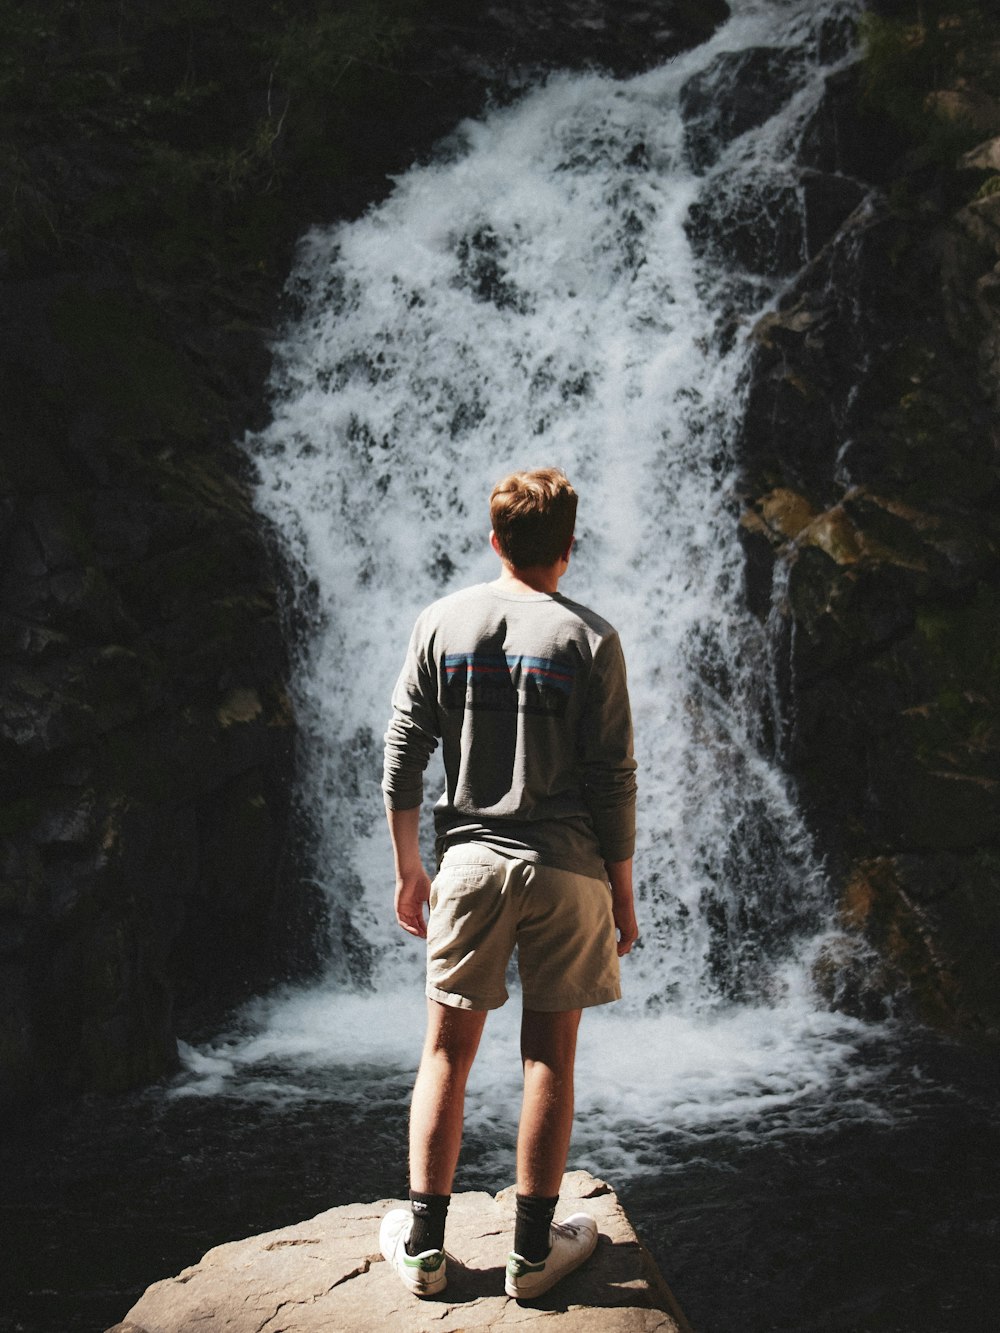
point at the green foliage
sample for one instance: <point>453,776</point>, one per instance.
<point>314,55</point>
<point>180,130</point>
<point>932,48</point>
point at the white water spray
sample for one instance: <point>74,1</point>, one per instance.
<point>533,298</point>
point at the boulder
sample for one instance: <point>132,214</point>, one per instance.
<point>327,1274</point>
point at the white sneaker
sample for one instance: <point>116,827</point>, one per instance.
<point>424,1274</point>
<point>571,1242</point>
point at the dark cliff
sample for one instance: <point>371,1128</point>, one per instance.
<point>872,527</point>
<point>158,162</point>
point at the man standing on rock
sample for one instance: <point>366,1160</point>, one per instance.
<point>535,832</point>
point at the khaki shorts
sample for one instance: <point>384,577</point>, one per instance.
<point>483,904</point>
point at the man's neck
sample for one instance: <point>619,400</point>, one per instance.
<point>539,578</point>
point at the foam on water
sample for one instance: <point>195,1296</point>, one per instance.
<point>532,297</point>
<point>648,1084</point>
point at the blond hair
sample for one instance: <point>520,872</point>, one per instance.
<point>533,515</point>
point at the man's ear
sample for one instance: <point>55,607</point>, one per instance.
<point>495,544</point>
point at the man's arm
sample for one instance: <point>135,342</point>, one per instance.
<point>413,885</point>
<point>622,903</point>
<point>606,754</point>
<point>609,782</point>
<point>409,743</point>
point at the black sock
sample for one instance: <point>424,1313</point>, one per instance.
<point>531,1226</point>
<point>429,1214</point>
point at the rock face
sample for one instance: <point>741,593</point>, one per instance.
<point>145,734</point>
<point>870,471</point>
<point>327,1274</point>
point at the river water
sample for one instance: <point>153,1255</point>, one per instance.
<point>539,293</point>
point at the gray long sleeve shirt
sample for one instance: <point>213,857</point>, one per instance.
<point>528,697</point>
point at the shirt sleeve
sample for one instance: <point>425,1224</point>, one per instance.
<point>609,784</point>
<point>413,731</point>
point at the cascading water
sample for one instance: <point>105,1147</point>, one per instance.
<point>569,282</point>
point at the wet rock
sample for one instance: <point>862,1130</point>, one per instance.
<point>739,91</point>
<point>760,232</point>
<point>851,977</point>
<point>328,1274</point>
<point>985,157</point>
<point>871,488</point>
<point>523,35</point>
<point>757,542</point>
<point>828,201</point>
<point>846,140</point>
<point>841,611</point>
<point>935,922</point>
<point>785,512</point>
<point>968,107</point>
<point>771,229</point>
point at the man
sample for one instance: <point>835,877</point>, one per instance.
<point>535,833</point>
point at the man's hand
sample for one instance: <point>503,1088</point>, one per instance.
<point>413,885</point>
<point>626,925</point>
<point>622,904</point>
<point>413,890</point>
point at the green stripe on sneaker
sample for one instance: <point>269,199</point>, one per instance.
<point>517,1267</point>
<point>427,1264</point>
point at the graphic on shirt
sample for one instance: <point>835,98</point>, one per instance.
<point>507,683</point>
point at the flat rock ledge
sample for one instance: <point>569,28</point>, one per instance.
<point>327,1275</point>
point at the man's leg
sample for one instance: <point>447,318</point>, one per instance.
<point>412,1240</point>
<point>548,1054</point>
<point>438,1106</point>
<point>545,1251</point>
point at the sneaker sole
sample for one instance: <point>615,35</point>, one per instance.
<point>427,1289</point>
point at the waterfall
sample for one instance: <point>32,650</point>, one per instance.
<point>570,281</point>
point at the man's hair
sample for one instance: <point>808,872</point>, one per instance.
<point>533,516</point>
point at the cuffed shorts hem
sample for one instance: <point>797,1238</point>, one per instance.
<point>557,1004</point>
<point>464,1001</point>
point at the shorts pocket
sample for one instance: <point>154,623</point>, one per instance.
<point>468,877</point>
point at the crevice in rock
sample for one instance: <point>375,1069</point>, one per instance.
<point>357,1272</point>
